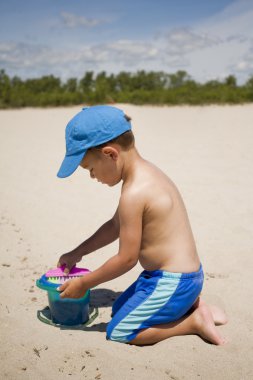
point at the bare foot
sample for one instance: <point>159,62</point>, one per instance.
<point>204,325</point>
<point>219,317</point>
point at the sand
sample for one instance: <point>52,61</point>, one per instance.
<point>208,153</point>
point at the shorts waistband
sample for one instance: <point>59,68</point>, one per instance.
<point>176,275</point>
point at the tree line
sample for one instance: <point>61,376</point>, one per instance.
<point>156,88</point>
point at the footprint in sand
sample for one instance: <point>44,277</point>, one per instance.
<point>216,275</point>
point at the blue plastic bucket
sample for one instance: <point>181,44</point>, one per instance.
<point>66,311</point>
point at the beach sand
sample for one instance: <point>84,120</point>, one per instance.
<point>208,153</point>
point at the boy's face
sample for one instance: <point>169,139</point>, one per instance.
<point>102,165</point>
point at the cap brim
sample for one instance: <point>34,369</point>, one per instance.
<point>70,164</point>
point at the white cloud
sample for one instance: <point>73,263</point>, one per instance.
<point>245,64</point>
<point>16,55</point>
<point>234,27</point>
<point>176,46</point>
<point>219,47</point>
<point>127,51</point>
<point>186,40</point>
<point>235,19</point>
<point>119,54</point>
<point>73,21</point>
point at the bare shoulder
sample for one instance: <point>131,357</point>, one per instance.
<point>149,189</point>
<point>157,187</point>
<point>131,199</point>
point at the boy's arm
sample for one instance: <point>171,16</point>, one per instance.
<point>105,235</point>
<point>130,213</point>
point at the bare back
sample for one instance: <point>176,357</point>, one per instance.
<point>167,241</point>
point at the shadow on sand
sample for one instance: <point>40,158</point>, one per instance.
<point>98,298</point>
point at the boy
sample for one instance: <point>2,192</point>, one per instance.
<point>153,228</point>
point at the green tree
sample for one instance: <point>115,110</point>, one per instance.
<point>178,79</point>
<point>123,82</point>
<point>44,84</point>
<point>249,82</point>
<point>87,83</point>
<point>5,89</point>
<point>231,81</point>
<point>71,85</point>
<point>102,88</point>
<point>141,87</point>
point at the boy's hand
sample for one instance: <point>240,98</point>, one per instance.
<point>69,260</point>
<point>72,289</point>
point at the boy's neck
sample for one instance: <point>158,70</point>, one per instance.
<point>130,161</point>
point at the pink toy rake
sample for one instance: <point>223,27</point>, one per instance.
<point>57,275</point>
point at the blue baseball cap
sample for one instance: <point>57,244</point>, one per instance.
<point>91,127</point>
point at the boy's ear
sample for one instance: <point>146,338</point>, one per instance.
<point>110,151</point>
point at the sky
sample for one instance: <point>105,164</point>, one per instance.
<point>210,39</point>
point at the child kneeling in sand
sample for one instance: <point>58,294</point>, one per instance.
<point>152,226</point>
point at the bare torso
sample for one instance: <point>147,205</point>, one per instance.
<point>167,241</point>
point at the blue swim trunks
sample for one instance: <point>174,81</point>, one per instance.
<point>156,297</point>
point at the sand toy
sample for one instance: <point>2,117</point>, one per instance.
<point>67,311</point>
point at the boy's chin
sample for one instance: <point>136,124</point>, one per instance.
<point>112,184</point>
